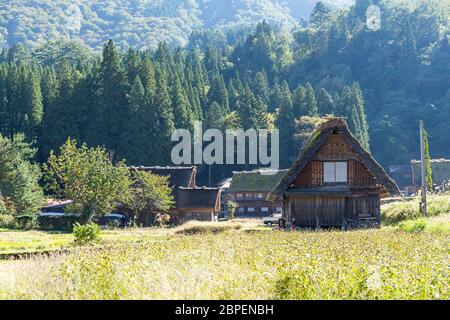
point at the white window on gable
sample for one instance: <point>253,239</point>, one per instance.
<point>335,172</point>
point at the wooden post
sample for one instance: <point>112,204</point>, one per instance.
<point>423,170</point>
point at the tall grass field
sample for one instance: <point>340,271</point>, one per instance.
<point>240,264</point>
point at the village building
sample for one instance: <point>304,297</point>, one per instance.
<point>249,189</point>
<point>335,182</point>
<point>440,169</point>
<point>191,202</point>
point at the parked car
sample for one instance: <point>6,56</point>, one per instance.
<point>272,220</point>
<point>114,219</point>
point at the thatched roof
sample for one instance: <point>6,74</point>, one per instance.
<point>255,181</point>
<point>199,198</point>
<point>317,140</point>
<point>178,176</point>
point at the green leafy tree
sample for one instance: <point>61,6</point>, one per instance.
<point>88,177</point>
<point>149,193</point>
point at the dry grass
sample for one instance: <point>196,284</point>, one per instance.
<point>197,227</point>
<point>374,264</point>
<point>396,212</point>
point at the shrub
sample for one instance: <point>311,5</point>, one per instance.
<point>63,223</point>
<point>3,209</point>
<point>87,233</point>
<point>7,221</point>
<point>26,222</point>
<point>413,225</point>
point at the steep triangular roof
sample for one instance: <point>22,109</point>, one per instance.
<point>317,140</point>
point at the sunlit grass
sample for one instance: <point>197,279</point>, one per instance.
<point>374,264</point>
<point>396,212</point>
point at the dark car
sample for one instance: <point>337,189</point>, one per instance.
<point>113,219</point>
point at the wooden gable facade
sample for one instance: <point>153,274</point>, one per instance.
<point>334,183</point>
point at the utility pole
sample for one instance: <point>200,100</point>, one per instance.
<point>423,164</point>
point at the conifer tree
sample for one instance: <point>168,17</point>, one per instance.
<point>325,103</point>
<point>275,98</point>
<point>33,104</point>
<point>113,88</point>
<point>285,122</point>
<point>261,86</point>
<point>215,117</point>
<point>251,111</point>
<point>320,14</point>
<point>298,105</point>
<point>309,102</point>
<point>183,116</point>
<point>147,76</point>
<point>164,125</point>
<point>218,93</point>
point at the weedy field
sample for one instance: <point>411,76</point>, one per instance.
<point>408,258</point>
<point>240,264</point>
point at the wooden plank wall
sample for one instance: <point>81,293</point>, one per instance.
<point>330,211</point>
<point>363,207</point>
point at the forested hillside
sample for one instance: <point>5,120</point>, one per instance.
<point>140,24</point>
<point>383,81</point>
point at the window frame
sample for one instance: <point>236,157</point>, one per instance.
<point>335,182</point>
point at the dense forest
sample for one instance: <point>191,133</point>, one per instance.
<point>130,100</point>
<point>141,24</point>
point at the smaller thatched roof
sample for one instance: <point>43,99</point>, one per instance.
<point>199,198</point>
<point>317,140</point>
<point>255,181</point>
<point>178,176</point>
